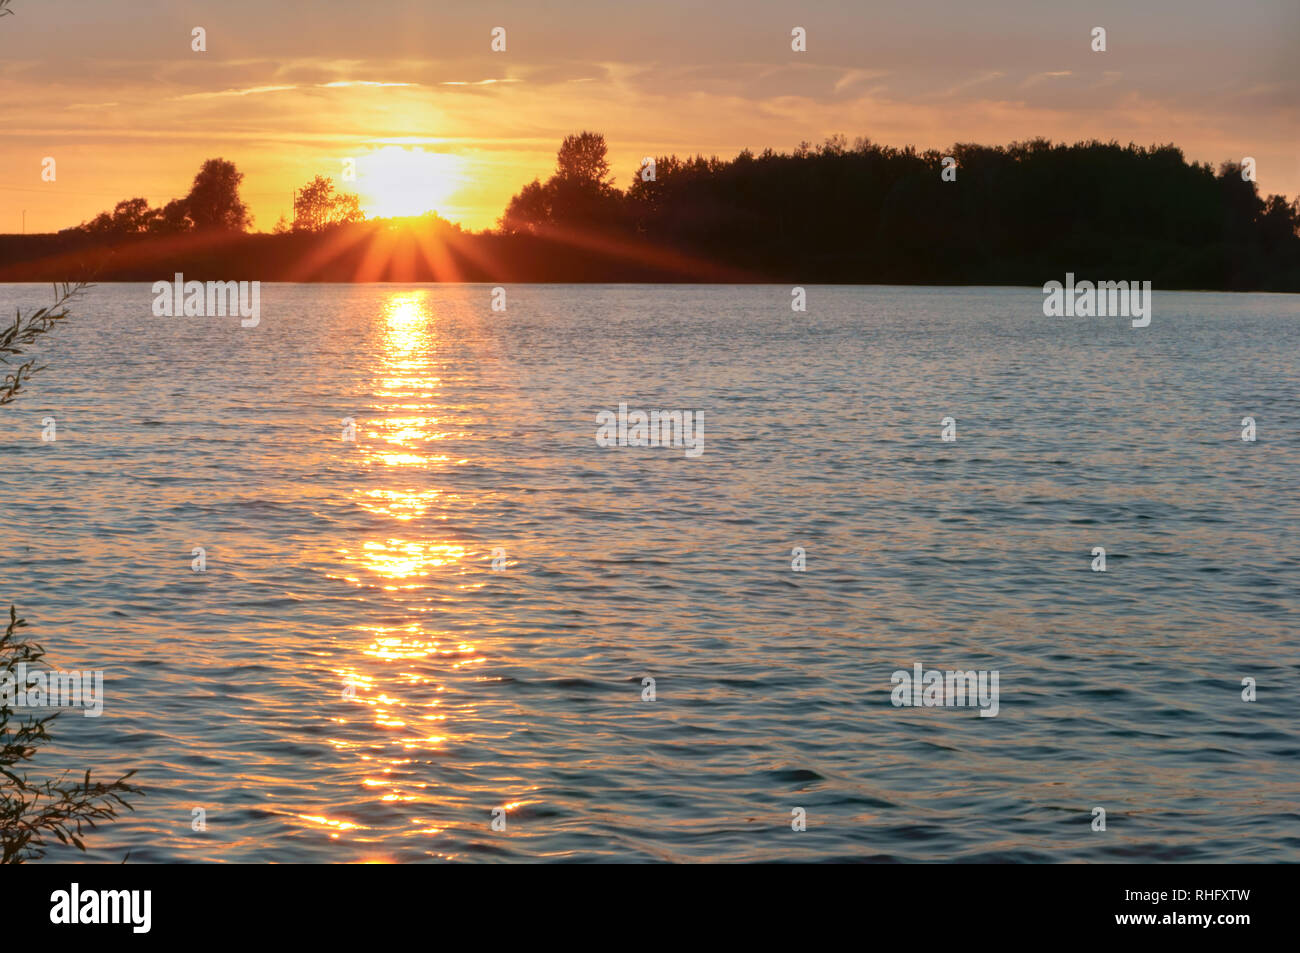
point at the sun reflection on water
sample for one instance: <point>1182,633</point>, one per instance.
<point>397,674</point>
<point>403,560</point>
<point>403,504</point>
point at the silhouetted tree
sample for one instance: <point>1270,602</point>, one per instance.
<point>580,194</point>
<point>583,160</point>
<point>529,209</point>
<point>173,218</point>
<point>213,203</point>
<point>317,206</point>
<point>129,217</point>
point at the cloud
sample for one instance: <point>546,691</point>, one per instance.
<point>251,91</point>
<point>481,82</point>
<point>348,83</point>
<point>1036,78</point>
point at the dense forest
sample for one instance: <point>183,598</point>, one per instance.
<point>1019,214</point>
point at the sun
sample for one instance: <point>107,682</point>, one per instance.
<point>396,181</point>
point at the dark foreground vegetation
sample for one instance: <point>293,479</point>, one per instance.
<point>1021,215</point>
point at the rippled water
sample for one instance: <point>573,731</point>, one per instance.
<point>331,563</point>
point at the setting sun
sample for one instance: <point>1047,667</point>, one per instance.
<point>396,181</point>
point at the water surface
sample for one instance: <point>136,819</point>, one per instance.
<point>332,564</point>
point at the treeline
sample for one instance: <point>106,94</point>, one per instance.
<point>213,204</point>
<point>1021,214</point>
<point>1018,214</point>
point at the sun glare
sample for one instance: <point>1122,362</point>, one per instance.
<point>396,181</point>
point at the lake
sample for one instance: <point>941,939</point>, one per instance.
<point>351,678</point>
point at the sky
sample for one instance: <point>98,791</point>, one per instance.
<point>433,118</point>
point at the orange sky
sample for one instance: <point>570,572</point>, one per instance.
<point>412,91</point>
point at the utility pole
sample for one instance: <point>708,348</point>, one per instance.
<point>24,221</point>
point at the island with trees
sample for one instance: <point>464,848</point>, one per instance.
<point>834,213</point>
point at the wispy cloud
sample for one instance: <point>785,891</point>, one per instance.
<point>481,82</point>
<point>257,90</point>
<point>348,83</point>
<point>984,76</point>
<point>251,91</point>
<point>1037,78</point>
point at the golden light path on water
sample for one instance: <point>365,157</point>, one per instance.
<point>398,443</point>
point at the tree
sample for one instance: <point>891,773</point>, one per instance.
<point>579,195</point>
<point>316,206</point>
<point>173,218</point>
<point>129,217</point>
<point>213,203</point>
<point>132,216</point>
<point>583,160</point>
<point>529,209</point>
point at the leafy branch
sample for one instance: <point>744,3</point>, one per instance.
<point>26,329</point>
<point>31,813</point>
